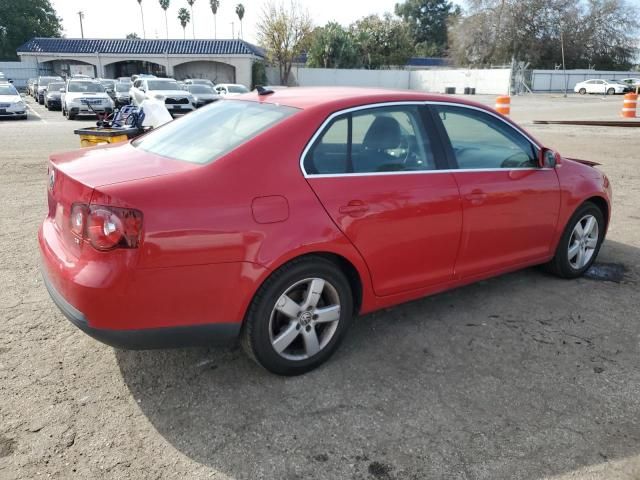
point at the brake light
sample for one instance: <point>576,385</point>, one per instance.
<point>106,228</point>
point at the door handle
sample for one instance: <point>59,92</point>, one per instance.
<point>355,208</point>
<point>476,197</point>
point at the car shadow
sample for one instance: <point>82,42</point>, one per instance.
<point>521,376</point>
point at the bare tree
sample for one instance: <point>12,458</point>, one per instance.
<point>284,32</point>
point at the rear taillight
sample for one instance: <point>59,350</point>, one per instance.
<point>106,228</point>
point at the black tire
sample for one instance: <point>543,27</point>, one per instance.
<point>70,116</point>
<point>611,91</point>
<point>256,334</point>
<point>560,264</point>
<point>582,91</point>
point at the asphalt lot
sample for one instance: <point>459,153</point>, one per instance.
<point>521,377</point>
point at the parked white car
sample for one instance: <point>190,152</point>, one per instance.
<point>231,89</point>
<point>176,100</point>
<point>85,97</point>
<point>603,87</point>
<point>11,103</point>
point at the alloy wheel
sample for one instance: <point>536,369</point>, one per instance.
<point>304,319</point>
<point>583,242</point>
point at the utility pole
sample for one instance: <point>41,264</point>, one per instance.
<point>81,15</point>
<point>564,69</point>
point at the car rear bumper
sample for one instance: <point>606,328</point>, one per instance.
<point>150,338</point>
<point>12,113</point>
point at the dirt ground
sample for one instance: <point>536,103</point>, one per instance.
<point>523,376</point>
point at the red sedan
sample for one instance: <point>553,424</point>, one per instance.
<point>278,217</point>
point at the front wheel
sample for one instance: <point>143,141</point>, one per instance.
<point>582,91</point>
<point>580,242</point>
<point>611,91</point>
<point>298,317</point>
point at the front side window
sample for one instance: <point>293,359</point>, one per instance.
<point>376,140</point>
<point>209,133</point>
<point>481,141</point>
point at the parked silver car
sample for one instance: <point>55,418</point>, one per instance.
<point>203,94</point>
<point>52,99</point>
<point>43,84</point>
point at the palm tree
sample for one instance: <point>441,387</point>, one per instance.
<point>164,4</point>
<point>193,23</point>
<point>144,34</point>
<point>240,13</point>
<point>215,5</point>
<point>184,17</point>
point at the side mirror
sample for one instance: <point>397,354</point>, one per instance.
<point>549,159</point>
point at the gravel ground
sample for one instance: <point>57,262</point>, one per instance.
<point>522,376</point>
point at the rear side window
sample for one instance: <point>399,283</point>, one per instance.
<point>376,140</point>
<point>207,134</point>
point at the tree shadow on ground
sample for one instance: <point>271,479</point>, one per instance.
<point>521,376</point>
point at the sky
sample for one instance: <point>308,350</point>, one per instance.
<point>117,18</point>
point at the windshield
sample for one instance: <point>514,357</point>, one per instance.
<point>88,87</point>
<point>108,83</point>
<point>201,81</point>
<point>8,90</point>
<point>210,133</point>
<point>48,80</point>
<point>122,87</point>
<point>163,85</point>
<point>201,89</point>
<point>55,87</point>
<point>237,89</point>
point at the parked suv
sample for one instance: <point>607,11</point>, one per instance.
<point>43,84</point>
<point>85,97</point>
<point>176,100</point>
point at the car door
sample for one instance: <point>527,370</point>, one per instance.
<point>510,205</point>
<point>376,172</point>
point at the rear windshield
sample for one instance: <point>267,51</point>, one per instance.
<point>162,85</point>
<point>210,133</point>
<point>48,80</point>
<point>200,89</point>
<point>89,87</point>
<point>108,83</point>
<point>55,86</point>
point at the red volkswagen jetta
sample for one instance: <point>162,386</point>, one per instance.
<point>278,217</point>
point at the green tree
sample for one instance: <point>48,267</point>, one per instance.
<point>164,4</point>
<point>184,17</point>
<point>193,23</point>
<point>23,20</point>
<point>284,33</point>
<point>240,12</point>
<point>133,36</point>
<point>333,46</point>
<point>144,33</point>
<point>428,21</point>
<point>382,41</point>
<point>215,5</point>
<point>595,32</point>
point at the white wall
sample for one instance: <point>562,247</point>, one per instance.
<point>490,81</point>
<point>487,81</point>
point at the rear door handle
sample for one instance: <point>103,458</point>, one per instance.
<point>354,208</point>
<point>476,197</point>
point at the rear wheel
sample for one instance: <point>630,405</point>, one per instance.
<point>298,317</point>
<point>582,91</point>
<point>580,242</point>
<point>611,91</point>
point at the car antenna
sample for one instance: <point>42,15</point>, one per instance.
<point>264,91</point>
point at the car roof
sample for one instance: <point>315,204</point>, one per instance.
<point>339,98</point>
